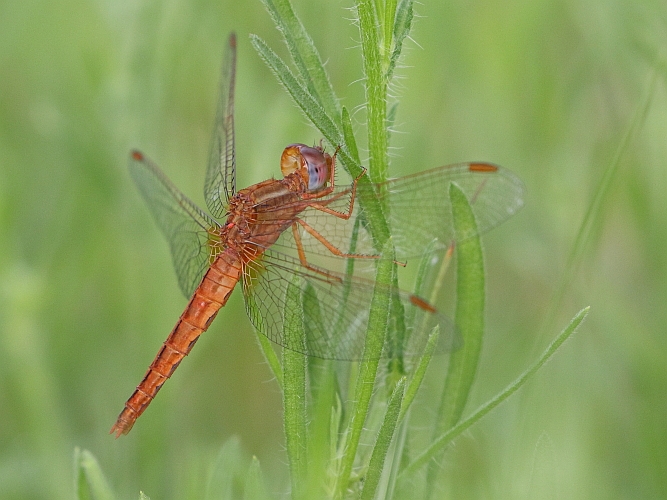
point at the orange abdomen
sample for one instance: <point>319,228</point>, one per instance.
<point>211,294</point>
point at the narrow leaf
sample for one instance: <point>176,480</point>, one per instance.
<point>385,435</point>
<point>420,371</point>
<point>254,483</point>
<point>443,441</point>
<point>402,27</point>
<point>271,357</point>
<point>348,134</point>
<point>308,104</point>
<point>89,482</point>
<point>469,320</point>
<point>391,118</point>
<point>377,327</point>
<point>388,28</point>
<point>594,210</point>
<point>320,433</point>
<point>227,472</point>
<point>294,390</point>
<point>304,54</point>
<point>469,313</point>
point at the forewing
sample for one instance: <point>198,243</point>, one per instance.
<point>339,231</point>
<point>220,184</point>
<point>420,208</point>
<point>184,224</point>
<point>335,310</point>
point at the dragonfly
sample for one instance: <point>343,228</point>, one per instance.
<point>302,230</point>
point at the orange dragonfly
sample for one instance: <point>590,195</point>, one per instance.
<point>302,229</point>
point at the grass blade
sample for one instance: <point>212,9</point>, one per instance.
<point>441,442</point>
<point>254,483</point>
<point>402,27</point>
<point>420,371</point>
<point>308,104</point>
<point>294,390</point>
<point>376,464</point>
<point>592,216</point>
<point>227,471</point>
<point>348,134</point>
<point>377,327</point>
<point>89,480</point>
<point>271,357</point>
<point>321,435</point>
<point>469,320</point>
<point>469,313</point>
<point>304,54</point>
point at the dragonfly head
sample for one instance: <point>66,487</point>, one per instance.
<point>312,164</point>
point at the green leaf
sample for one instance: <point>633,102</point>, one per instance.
<point>469,312</point>
<point>376,464</point>
<point>429,280</point>
<point>469,319</point>
<point>348,134</point>
<point>443,441</point>
<point>89,480</point>
<point>377,327</point>
<point>388,24</point>
<point>227,475</point>
<point>594,211</point>
<point>271,357</point>
<point>321,435</point>
<point>294,391</point>
<point>304,54</point>
<point>304,99</point>
<point>420,371</point>
<point>254,484</point>
<point>391,118</point>
<point>402,27</point>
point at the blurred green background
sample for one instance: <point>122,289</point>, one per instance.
<point>87,292</point>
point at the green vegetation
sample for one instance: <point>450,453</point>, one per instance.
<point>571,98</point>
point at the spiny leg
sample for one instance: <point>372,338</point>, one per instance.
<point>327,244</point>
<point>304,260</point>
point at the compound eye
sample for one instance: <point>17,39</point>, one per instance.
<point>318,167</point>
<point>312,164</point>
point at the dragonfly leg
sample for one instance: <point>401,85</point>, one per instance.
<point>304,260</point>
<point>329,246</point>
<point>332,186</point>
<point>341,215</point>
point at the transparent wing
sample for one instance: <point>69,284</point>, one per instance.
<point>185,225</point>
<point>220,183</point>
<point>419,209</point>
<point>335,310</point>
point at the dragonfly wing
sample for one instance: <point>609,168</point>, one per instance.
<point>349,235</point>
<point>220,183</point>
<point>185,225</point>
<point>335,310</point>
<point>420,208</point>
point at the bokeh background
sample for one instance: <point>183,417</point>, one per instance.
<point>547,88</point>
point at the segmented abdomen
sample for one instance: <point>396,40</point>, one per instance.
<point>211,294</point>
